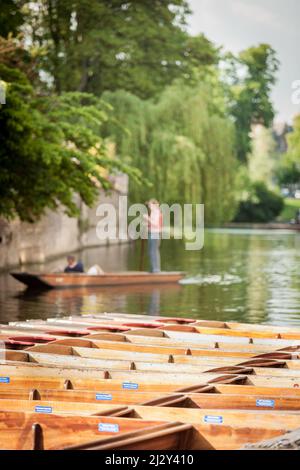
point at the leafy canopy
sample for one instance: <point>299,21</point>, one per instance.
<point>250,77</point>
<point>99,45</point>
<point>288,172</point>
<point>50,150</point>
<point>183,142</point>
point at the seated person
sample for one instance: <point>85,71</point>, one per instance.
<point>95,270</point>
<point>73,265</point>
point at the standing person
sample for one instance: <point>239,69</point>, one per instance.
<point>154,220</point>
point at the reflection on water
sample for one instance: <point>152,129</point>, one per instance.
<point>240,275</point>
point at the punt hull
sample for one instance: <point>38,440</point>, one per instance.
<point>70,280</point>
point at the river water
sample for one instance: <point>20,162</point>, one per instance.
<point>240,275</point>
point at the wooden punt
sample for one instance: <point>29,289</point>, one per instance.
<point>70,357</point>
<point>231,326</point>
<point>65,356</point>
<point>226,430</point>
<point>288,419</point>
<point>155,344</point>
<point>183,336</point>
<point>248,333</point>
<point>175,324</point>
<point>63,280</point>
<point>104,365</point>
<point>212,400</point>
<point>119,342</point>
<point>190,345</point>
<point>26,431</point>
<point>180,354</point>
<point>14,378</point>
<point>239,343</point>
<point>95,323</point>
<point>143,378</point>
<point>241,382</point>
<point>94,350</point>
<point>202,338</point>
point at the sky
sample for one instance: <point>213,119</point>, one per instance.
<point>239,24</point>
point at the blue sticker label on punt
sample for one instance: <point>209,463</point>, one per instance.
<point>107,427</point>
<point>130,386</point>
<point>4,380</point>
<point>213,419</point>
<point>43,409</point>
<point>103,396</point>
<point>266,403</point>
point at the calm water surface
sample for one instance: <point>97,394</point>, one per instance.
<point>240,275</point>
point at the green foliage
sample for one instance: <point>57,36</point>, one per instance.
<point>251,77</point>
<point>263,160</point>
<point>164,106</point>
<point>291,207</point>
<point>262,205</point>
<point>288,172</point>
<point>98,45</point>
<point>11,17</point>
<point>182,143</point>
<point>50,150</point>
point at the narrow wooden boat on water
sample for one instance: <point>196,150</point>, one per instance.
<point>30,379</point>
<point>140,379</point>
<point>20,338</point>
<point>16,375</point>
<point>288,419</point>
<point>174,332</point>
<point>59,280</point>
<point>80,358</point>
<point>42,430</point>
<point>94,350</point>
<point>241,382</point>
<point>209,397</point>
<point>179,352</point>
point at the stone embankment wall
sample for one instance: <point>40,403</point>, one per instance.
<point>56,234</point>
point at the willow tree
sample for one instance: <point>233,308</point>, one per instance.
<point>183,143</point>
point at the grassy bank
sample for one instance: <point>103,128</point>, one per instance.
<point>289,211</point>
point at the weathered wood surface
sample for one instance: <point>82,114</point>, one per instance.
<point>189,360</point>
<point>59,431</point>
<point>289,441</point>
<point>16,429</point>
<point>212,400</point>
<point>172,436</point>
<point>149,369</point>
<point>241,382</point>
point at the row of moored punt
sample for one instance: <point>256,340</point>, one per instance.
<point>114,381</point>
